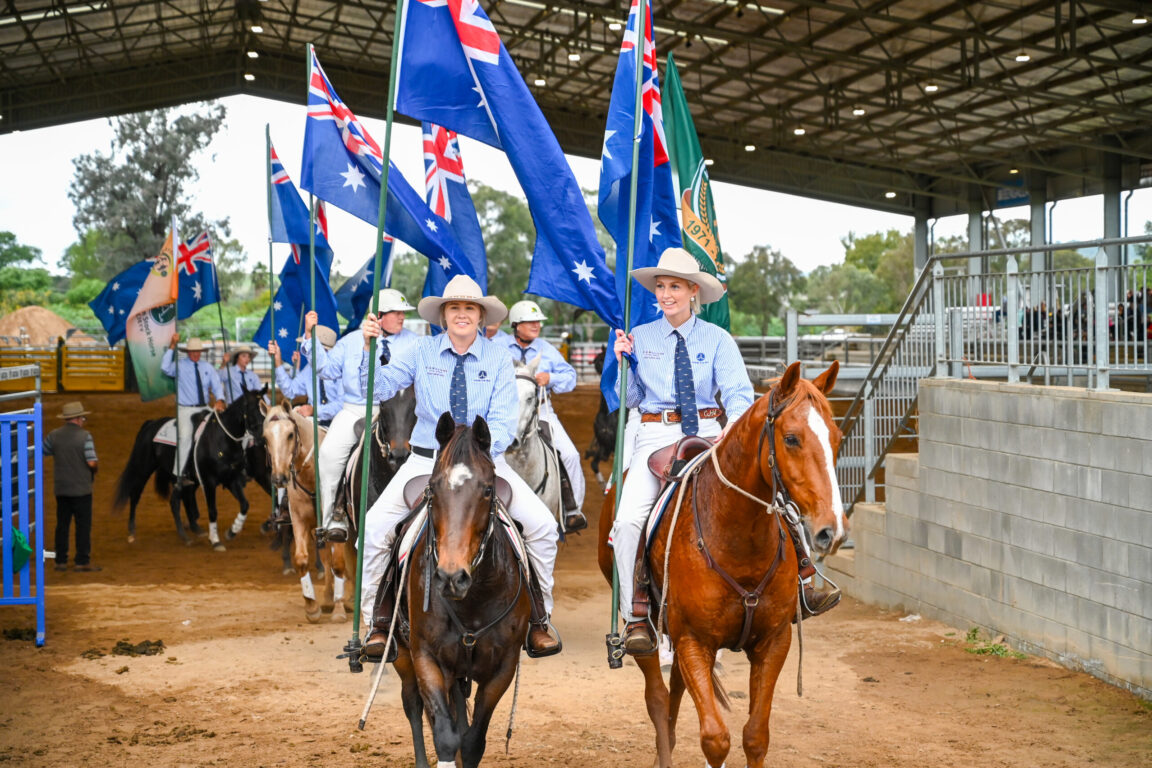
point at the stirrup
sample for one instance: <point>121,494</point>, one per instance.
<point>550,630</point>
<point>639,639</point>
<point>820,601</point>
<point>374,646</point>
<point>334,535</point>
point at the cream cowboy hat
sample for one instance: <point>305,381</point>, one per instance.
<point>462,288</point>
<point>73,410</point>
<point>237,351</point>
<point>677,262</point>
<point>325,335</point>
<point>193,345</point>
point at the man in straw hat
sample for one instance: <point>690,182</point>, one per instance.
<point>196,382</point>
<point>236,378</point>
<point>298,383</point>
<point>74,452</point>
<point>462,373</point>
<point>342,364</point>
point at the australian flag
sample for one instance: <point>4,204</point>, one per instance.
<point>354,297</point>
<point>454,71</point>
<point>289,219</point>
<point>343,164</point>
<point>657,222</point>
<point>448,197</point>
<point>114,303</point>
<point>293,299</point>
<point>197,276</point>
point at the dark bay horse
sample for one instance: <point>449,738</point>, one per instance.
<point>467,603</point>
<point>732,572</point>
<point>219,458</point>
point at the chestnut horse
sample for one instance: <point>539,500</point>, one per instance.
<point>727,540</point>
<point>467,602</point>
<point>291,454</point>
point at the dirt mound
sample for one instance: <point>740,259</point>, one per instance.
<point>39,327</point>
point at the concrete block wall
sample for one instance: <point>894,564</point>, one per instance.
<point>1028,513</point>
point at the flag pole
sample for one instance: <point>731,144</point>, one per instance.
<point>354,646</point>
<point>316,500</point>
<point>271,295</point>
<point>220,314</point>
<point>615,648</point>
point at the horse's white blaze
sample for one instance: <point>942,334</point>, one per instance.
<point>458,475</point>
<point>306,586</point>
<point>820,429</point>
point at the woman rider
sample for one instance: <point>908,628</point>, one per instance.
<point>436,365</point>
<point>679,363</point>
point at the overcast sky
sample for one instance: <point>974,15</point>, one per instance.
<point>38,168</point>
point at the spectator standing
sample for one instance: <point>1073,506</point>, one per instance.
<point>74,453</point>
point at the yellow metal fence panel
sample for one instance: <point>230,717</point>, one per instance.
<point>45,357</point>
<point>92,369</point>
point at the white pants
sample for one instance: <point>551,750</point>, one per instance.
<point>568,454</point>
<point>638,496</point>
<point>380,528</point>
<point>334,452</point>
<point>184,414</point>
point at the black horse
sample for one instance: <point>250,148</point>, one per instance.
<point>218,460</point>
<point>468,603</point>
<point>603,443</point>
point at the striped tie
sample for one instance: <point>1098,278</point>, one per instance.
<point>458,394</point>
<point>685,389</point>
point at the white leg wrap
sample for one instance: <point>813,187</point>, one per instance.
<point>306,587</point>
<point>238,523</point>
<point>213,533</point>
<point>337,588</point>
<point>443,764</point>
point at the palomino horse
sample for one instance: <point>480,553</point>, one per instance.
<point>467,602</point>
<point>731,570</point>
<point>528,454</point>
<point>218,459</point>
<point>291,452</point>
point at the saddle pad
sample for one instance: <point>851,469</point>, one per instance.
<point>665,498</point>
<point>167,433</point>
<point>415,533</point>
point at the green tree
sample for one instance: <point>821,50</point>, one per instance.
<point>232,270</point>
<point>83,290</point>
<point>12,252</point>
<point>846,289</point>
<point>762,284</point>
<point>132,192</point>
<point>866,252</point>
<point>86,258</point>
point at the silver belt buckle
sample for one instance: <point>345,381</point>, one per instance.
<point>664,415</point>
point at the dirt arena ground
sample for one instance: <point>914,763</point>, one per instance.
<point>245,680</point>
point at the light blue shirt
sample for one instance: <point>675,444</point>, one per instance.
<point>716,367</point>
<point>429,365</point>
<point>186,383</point>
<point>561,375</point>
<point>342,363</point>
<point>238,380</point>
<point>331,392</point>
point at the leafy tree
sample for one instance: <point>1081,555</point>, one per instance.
<point>232,270</point>
<point>846,289</point>
<point>761,284</point>
<point>25,279</point>
<point>866,252</point>
<point>83,290</point>
<point>132,192</point>
<point>12,252</point>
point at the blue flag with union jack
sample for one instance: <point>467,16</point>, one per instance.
<point>657,223</point>
<point>196,275</point>
<point>454,71</point>
<point>353,298</point>
<point>343,164</point>
<point>114,304</point>
<point>448,197</point>
<point>294,296</point>
<point>289,217</point>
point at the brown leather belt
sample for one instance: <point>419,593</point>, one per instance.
<point>673,416</point>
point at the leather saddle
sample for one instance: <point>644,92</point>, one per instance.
<point>414,491</point>
<point>667,462</point>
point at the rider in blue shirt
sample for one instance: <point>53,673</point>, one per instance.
<point>195,382</point>
<point>295,383</point>
<point>235,377</point>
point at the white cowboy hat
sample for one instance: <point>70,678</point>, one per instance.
<point>677,262</point>
<point>193,345</point>
<point>462,288</point>
<point>391,300</point>
<point>237,351</point>
<point>325,335</point>
<point>525,312</point>
<point>73,410</point>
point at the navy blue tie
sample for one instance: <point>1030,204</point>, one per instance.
<point>199,386</point>
<point>458,394</point>
<point>385,352</point>
<point>685,389</point>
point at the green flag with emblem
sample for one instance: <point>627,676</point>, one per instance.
<point>697,213</point>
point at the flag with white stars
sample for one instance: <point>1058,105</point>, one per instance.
<point>196,273</point>
<point>446,190</point>
<point>354,297</point>
<point>114,303</point>
<point>288,220</point>
<point>657,225</point>
<point>454,71</point>
<point>343,164</point>
<point>294,298</point>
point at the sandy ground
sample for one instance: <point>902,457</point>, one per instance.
<point>245,680</point>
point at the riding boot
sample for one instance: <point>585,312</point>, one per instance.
<point>639,637</point>
<point>813,600</point>
<point>540,641</point>
<point>337,529</point>
<point>574,519</point>
<point>382,618</point>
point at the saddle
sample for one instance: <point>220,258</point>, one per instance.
<point>668,462</point>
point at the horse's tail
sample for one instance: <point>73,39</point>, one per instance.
<point>721,692</point>
<point>140,464</point>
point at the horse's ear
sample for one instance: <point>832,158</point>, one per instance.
<point>825,381</point>
<point>263,408</point>
<point>264,390</point>
<point>445,428</point>
<point>789,380</point>
<point>482,434</point>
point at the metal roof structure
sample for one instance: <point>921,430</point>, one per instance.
<point>899,105</point>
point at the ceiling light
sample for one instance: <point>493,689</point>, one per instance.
<point>749,147</point>
<point>257,29</point>
<point>709,161</point>
<point>615,26</point>
<point>1013,171</point>
<point>859,111</point>
<point>249,76</point>
<point>889,195</point>
<point>1141,19</point>
<point>540,82</point>
<point>573,57</point>
<point>1023,57</point>
<point>798,131</point>
<point>931,88</point>
<point>253,55</point>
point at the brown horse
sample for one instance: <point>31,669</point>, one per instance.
<point>732,573</point>
<point>467,602</point>
<point>291,453</point>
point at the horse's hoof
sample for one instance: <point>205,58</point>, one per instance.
<point>288,571</point>
<point>326,609</point>
<point>219,547</point>
<point>131,539</point>
<point>313,618</point>
<point>229,535</point>
<point>189,542</point>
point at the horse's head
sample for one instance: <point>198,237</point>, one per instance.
<point>247,410</point>
<point>394,426</point>
<point>463,501</point>
<point>804,442</point>
<point>282,437</point>
<point>529,394</point>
